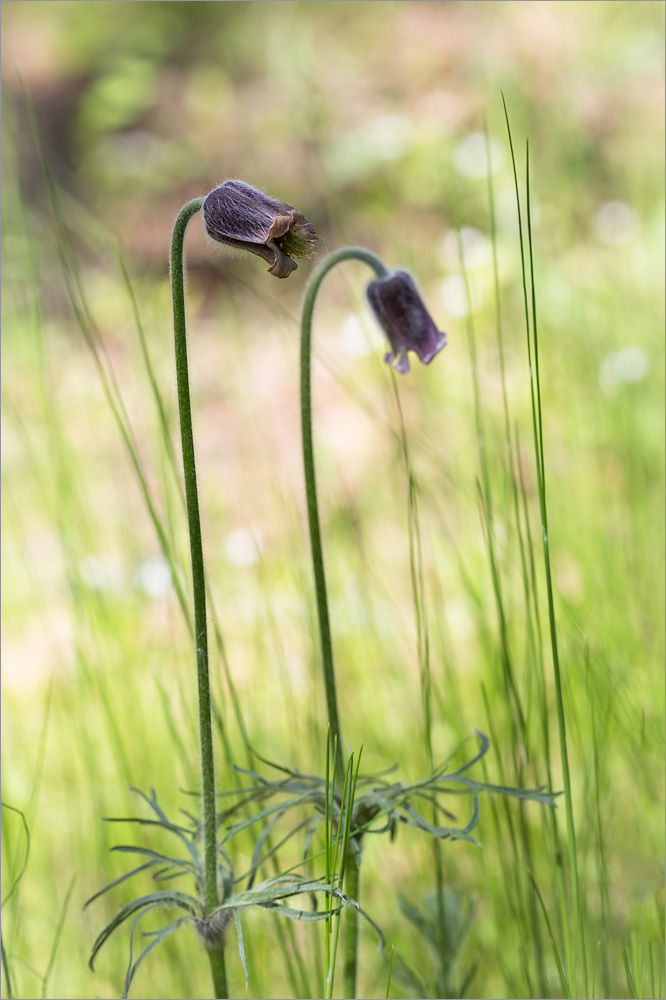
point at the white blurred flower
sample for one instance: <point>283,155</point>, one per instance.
<point>616,223</point>
<point>243,547</point>
<point>476,248</point>
<point>460,622</point>
<point>470,157</point>
<point>380,140</point>
<point>153,576</point>
<point>631,364</point>
<point>93,573</point>
<point>101,573</point>
<point>454,296</point>
<point>389,136</point>
<point>352,339</point>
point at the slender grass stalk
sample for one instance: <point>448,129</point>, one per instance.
<point>513,697</point>
<point>556,955</point>
<point>534,637</point>
<point>390,970</point>
<point>333,924</point>
<point>537,427</point>
<point>350,952</point>
<point>566,774</point>
<point>511,877</point>
<point>603,876</point>
<point>423,652</point>
<point>57,937</point>
<point>5,969</point>
<point>210,895</point>
<point>518,716</point>
<point>346,851</point>
<point>535,641</point>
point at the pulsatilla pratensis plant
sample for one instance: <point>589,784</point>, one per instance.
<point>375,805</point>
<point>240,216</point>
<point>350,804</point>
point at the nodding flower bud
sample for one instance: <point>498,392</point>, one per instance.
<point>240,216</point>
<point>403,317</point>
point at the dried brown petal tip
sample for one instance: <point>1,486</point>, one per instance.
<point>241,216</point>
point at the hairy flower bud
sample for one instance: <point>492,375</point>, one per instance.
<point>240,216</point>
<point>403,317</point>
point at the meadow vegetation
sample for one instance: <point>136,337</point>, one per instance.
<point>385,126</point>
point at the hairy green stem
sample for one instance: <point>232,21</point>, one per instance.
<point>215,953</point>
<point>347,253</point>
<point>218,970</point>
<point>369,258</point>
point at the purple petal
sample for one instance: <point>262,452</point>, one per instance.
<point>241,216</point>
<point>237,211</point>
<point>403,317</point>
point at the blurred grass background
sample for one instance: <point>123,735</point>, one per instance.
<point>369,118</point>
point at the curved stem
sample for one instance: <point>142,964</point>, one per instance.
<point>347,253</point>
<point>353,872</point>
<point>216,953</point>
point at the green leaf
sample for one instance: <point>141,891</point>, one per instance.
<point>293,914</point>
<point>257,861</point>
<point>186,866</point>
<point>241,945</point>
<point>185,835</point>
<point>117,881</point>
<point>158,937</point>
<point>182,900</point>
<point>281,806</point>
<point>527,794</point>
<point>483,749</point>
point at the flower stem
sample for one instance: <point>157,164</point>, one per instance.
<point>347,253</point>
<point>216,953</point>
<point>218,970</point>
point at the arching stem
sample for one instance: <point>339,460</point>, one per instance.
<point>347,253</point>
<point>216,952</point>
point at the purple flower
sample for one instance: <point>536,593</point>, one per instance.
<point>240,216</point>
<point>408,326</point>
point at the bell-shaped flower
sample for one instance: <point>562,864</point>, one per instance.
<point>240,216</point>
<point>399,310</point>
